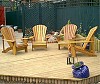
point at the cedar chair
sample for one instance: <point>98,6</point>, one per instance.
<point>69,32</point>
<point>8,35</point>
<point>39,38</point>
<point>89,40</point>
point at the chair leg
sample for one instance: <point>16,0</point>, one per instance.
<point>6,50</point>
<point>26,49</point>
<point>14,49</point>
<point>58,46</point>
<point>73,51</point>
<point>32,47</point>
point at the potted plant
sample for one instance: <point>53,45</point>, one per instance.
<point>80,70</point>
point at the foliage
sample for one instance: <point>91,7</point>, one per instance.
<point>77,65</point>
<point>98,36</point>
<point>69,22</point>
<point>80,31</point>
<point>83,32</point>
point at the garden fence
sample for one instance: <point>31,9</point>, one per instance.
<point>56,14</point>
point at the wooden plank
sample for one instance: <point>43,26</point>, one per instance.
<point>48,66</point>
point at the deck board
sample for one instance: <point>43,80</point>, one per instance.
<point>49,63</point>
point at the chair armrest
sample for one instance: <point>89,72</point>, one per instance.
<point>82,41</point>
<point>78,39</point>
<point>8,40</point>
<point>31,37</point>
<point>24,38</point>
<point>61,35</point>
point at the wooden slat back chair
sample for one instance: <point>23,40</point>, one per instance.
<point>69,33</point>
<point>89,40</point>
<point>90,37</point>
<point>8,35</point>
<point>39,32</point>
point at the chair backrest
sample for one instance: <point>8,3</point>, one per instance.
<point>8,34</point>
<point>69,31</point>
<point>39,32</point>
<point>89,36</point>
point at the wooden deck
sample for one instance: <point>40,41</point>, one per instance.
<point>46,67</point>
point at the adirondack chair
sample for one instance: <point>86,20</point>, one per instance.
<point>89,40</point>
<point>8,35</point>
<point>69,31</point>
<point>39,38</point>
